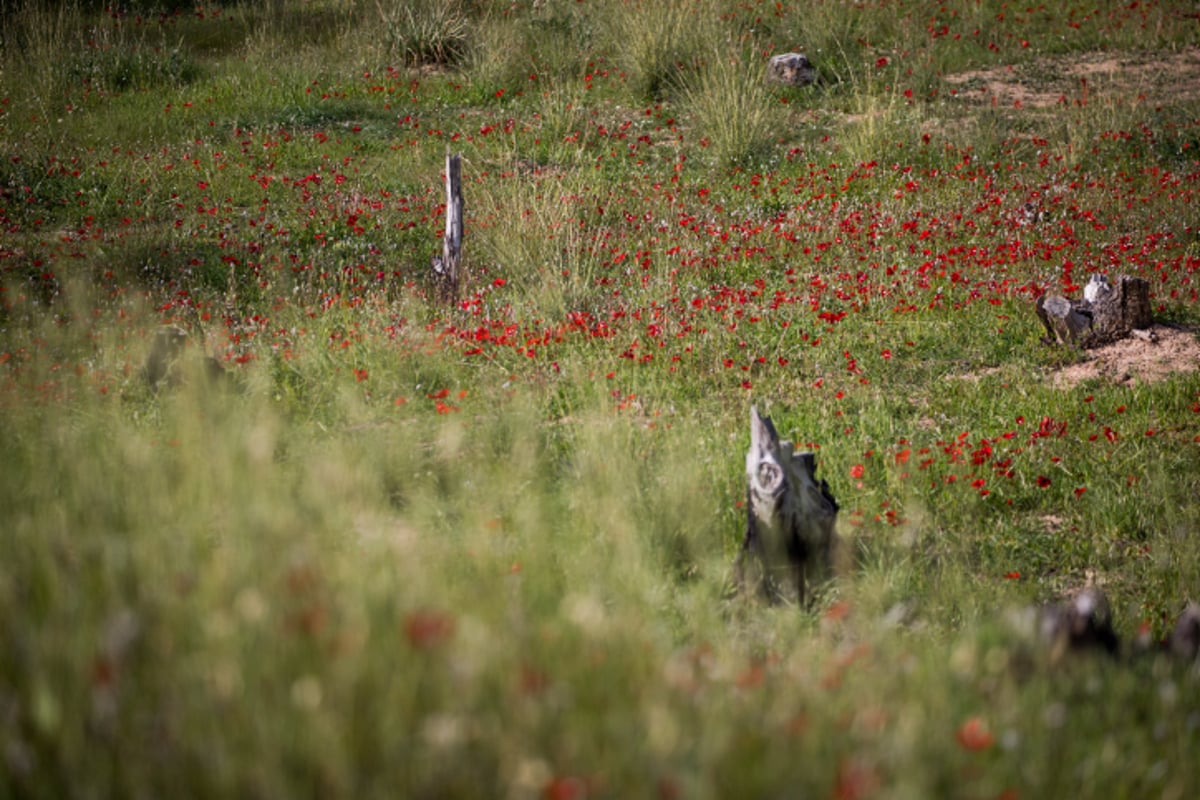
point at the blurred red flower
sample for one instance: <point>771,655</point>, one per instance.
<point>974,735</point>
<point>428,628</point>
<point>565,787</point>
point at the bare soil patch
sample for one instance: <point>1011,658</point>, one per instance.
<point>1082,79</point>
<point>1134,360</point>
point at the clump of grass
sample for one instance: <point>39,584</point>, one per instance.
<point>731,107</point>
<point>106,55</point>
<point>35,37</point>
<point>425,31</point>
<point>879,121</point>
<point>545,45</point>
<point>660,42</point>
<point>533,235</point>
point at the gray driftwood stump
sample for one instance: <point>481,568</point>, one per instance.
<point>165,362</point>
<point>1106,313</point>
<point>447,268</point>
<point>790,518</point>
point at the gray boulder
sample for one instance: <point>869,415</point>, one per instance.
<point>791,69</point>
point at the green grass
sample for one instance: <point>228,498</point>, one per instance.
<point>409,549</point>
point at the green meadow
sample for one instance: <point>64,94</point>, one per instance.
<point>355,541</point>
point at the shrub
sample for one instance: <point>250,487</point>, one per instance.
<point>731,105</point>
<point>660,41</point>
<point>424,31</point>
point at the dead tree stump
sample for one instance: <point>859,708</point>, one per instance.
<point>1106,313</point>
<point>165,364</point>
<point>1081,624</point>
<point>790,518</point>
<point>164,351</point>
<point>447,267</point>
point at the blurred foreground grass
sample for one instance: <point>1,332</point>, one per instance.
<point>203,594</point>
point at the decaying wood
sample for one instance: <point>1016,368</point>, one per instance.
<point>1079,624</point>
<point>1185,638</point>
<point>1145,336</point>
<point>1082,624</point>
<point>164,366</point>
<point>1078,628</point>
<point>447,268</point>
<point>164,350</point>
<point>790,518</point>
<point>1106,313</point>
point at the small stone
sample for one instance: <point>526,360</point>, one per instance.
<point>791,69</point>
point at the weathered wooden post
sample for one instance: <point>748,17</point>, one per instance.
<point>447,268</point>
<point>790,517</point>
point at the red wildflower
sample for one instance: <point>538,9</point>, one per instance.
<point>856,471</point>
<point>104,672</point>
<point>856,779</point>
<point>533,681</point>
<point>838,611</point>
<point>751,677</point>
<point>1043,481</point>
<point>428,628</point>
<point>974,735</point>
<point>564,788</point>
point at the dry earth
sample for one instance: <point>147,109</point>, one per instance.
<point>1083,79</point>
<point>1134,360</point>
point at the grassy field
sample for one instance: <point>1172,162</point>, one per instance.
<point>402,548</point>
